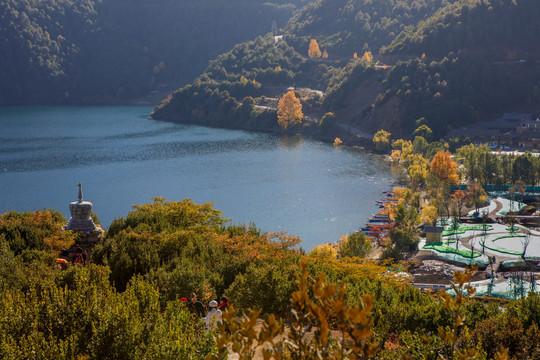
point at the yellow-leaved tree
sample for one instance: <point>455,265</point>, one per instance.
<point>444,168</point>
<point>324,250</point>
<point>418,169</point>
<point>405,147</point>
<point>314,51</point>
<point>396,156</point>
<point>325,54</point>
<point>381,140</point>
<point>429,214</point>
<point>289,110</point>
<point>368,56</point>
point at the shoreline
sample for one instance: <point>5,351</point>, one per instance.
<point>348,139</point>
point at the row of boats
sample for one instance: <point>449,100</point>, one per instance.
<point>380,222</point>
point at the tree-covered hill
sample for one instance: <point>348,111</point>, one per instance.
<point>348,26</point>
<point>223,94</point>
<point>448,63</point>
<point>474,60</point>
<point>95,51</point>
<point>502,29</point>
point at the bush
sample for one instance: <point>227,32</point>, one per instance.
<point>267,287</point>
<point>89,318</point>
<point>327,122</point>
<point>355,245</point>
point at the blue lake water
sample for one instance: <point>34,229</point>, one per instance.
<point>122,157</point>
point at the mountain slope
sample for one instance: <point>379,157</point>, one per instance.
<point>100,50</point>
<point>506,29</point>
<point>448,66</point>
<point>346,26</point>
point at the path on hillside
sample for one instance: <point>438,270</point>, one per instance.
<point>350,129</point>
<point>262,107</point>
<point>354,131</point>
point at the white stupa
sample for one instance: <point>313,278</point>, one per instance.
<point>81,215</point>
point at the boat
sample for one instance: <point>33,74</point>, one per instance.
<point>378,220</point>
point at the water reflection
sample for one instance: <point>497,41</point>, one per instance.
<point>290,141</point>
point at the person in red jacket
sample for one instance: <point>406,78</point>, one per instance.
<point>224,303</point>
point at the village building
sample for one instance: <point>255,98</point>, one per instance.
<point>433,234</point>
<point>511,130</point>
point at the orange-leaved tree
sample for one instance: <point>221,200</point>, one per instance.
<point>39,230</point>
<point>368,56</point>
<point>444,167</point>
<point>289,110</point>
<point>314,51</point>
<point>459,198</point>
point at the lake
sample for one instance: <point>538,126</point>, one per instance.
<point>122,157</point>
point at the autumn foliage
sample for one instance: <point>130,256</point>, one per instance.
<point>334,308</point>
<point>39,230</point>
<point>444,168</point>
<point>317,308</point>
<point>289,110</point>
<point>381,140</point>
<point>368,56</point>
<point>314,51</point>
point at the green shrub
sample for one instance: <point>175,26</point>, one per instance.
<point>267,287</point>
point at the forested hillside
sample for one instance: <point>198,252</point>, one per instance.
<point>357,25</point>
<point>57,51</point>
<point>395,64</point>
<point>502,29</point>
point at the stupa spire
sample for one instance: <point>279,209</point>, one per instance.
<point>81,214</point>
<point>80,192</point>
